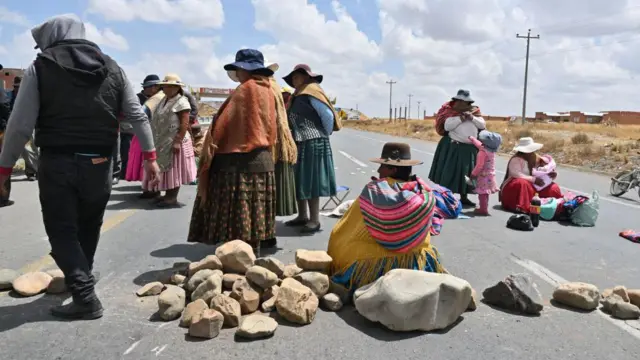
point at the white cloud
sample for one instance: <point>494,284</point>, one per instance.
<point>11,17</point>
<point>192,13</point>
<point>106,38</point>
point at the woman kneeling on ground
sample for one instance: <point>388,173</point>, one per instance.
<point>388,226</point>
<point>519,185</point>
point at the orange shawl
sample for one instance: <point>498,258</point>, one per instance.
<point>246,121</point>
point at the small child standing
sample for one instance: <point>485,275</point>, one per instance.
<point>485,171</point>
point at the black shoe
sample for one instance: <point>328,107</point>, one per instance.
<point>116,181</point>
<point>467,203</point>
<point>74,311</point>
<point>310,229</point>
<point>6,203</point>
<point>269,243</point>
<point>296,222</point>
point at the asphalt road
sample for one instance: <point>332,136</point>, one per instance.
<point>138,242</point>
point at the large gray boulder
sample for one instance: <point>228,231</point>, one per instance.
<point>409,300</point>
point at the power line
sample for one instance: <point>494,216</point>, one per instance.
<point>391,82</point>
<point>526,72</point>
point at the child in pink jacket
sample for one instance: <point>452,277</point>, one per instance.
<point>484,173</point>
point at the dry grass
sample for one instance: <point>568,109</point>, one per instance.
<point>596,147</point>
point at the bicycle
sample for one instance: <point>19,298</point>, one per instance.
<point>625,181</point>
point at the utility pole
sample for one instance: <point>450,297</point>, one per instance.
<point>410,96</point>
<point>418,109</point>
<point>390,82</point>
<point>526,72</point>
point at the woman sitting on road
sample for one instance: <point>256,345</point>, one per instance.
<point>388,226</point>
<point>519,186</point>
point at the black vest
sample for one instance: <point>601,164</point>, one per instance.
<point>78,115</point>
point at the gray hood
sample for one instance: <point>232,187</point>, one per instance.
<point>61,27</point>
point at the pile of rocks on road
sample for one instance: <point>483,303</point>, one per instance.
<point>227,290</point>
<point>32,283</point>
<point>621,303</point>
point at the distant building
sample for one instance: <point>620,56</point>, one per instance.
<point>7,76</point>
<point>584,117</point>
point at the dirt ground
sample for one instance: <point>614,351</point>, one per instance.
<point>594,147</point>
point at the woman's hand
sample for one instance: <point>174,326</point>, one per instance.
<point>538,181</point>
<point>177,146</point>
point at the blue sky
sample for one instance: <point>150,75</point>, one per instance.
<point>430,47</point>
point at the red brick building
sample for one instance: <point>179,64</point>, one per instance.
<point>7,76</point>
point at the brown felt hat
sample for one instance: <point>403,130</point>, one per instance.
<point>396,154</point>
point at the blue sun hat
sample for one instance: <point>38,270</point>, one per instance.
<point>250,60</point>
<point>490,140</point>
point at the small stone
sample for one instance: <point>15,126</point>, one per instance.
<point>316,281</point>
<point>296,302</point>
<point>634,297</point>
<point>229,308</point>
<point>270,293</point>
<point>32,283</point>
<point>262,277</point>
<point>7,277</point>
<point>257,327</point>
<point>268,305</point>
<point>609,301</point>
<point>181,267</point>
<point>236,256</point>
<point>151,289</point>
<point>171,302</point>
<point>178,279</point>
<point>313,260</point>
<point>246,295</point>
<point>210,262</point>
<point>622,292</point>
<point>332,302</point>
<point>208,289</point>
<point>206,325</point>
<point>57,284</point>
<point>192,310</point>
<point>198,278</point>
<point>272,264</point>
<point>291,270</point>
<point>606,293</point>
<point>341,291</point>
<point>625,311</point>
<point>473,304</point>
<point>228,280</point>
<point>577,295</point>
<point>517,293</point>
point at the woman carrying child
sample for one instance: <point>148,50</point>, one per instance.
<point>484,173</point>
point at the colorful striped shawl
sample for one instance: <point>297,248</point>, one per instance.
<point>397,215</point>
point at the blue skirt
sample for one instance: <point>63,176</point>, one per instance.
<point>314,172</point>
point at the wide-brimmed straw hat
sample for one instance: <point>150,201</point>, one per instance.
<point>305,69</point>
<point>396,154</point>
<point>250,60</point>
<point>527,145</point>
<point>463,95</point>
<point>171,79</point>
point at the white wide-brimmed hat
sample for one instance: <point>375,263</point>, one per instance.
<point>527,145</point>
<point>171,79</point>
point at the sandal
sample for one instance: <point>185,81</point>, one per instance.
<point>296,222</point>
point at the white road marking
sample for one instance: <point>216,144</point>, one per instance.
<point>358,162</point>
<point>580,192</point>
<point>554,279</point>
<point>130,349</point>
<point>159,349</point>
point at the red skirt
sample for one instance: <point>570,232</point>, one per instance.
<point>516,194</point>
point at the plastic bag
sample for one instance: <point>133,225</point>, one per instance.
<point>548,209</point>
<point>586,214</point>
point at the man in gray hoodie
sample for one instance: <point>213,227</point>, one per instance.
<point>72,95</point>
